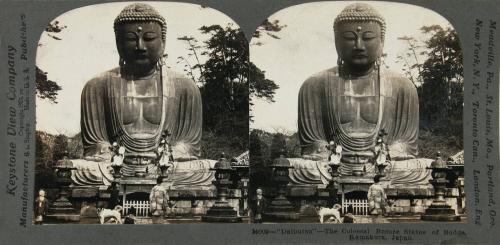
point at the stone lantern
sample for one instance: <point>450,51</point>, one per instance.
<point>382,157</point>
<point>164,166</point>
<point>439,210</point>
<point>62,205</point>
<point>241,179</point>
<point>221,211</point>
<point>164,155</point>
<point>165,162</point>
<point>280,208</point>
<point>117,160</point>
<point>334,158</point>
<point>334,164</point>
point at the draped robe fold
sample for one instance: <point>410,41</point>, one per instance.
<point>101,126</point>
<point>101,123</point>
<point>318,124</point>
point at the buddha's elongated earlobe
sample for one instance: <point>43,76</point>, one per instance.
<point>161,61</point>
<point>340,63</point>
<point>121,63</point>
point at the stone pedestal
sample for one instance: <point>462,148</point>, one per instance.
<point>62,209</point>
<point>62,205</point>
<point>440,213</point>
<point>280,209</point>
<point>439,210</point>
<point>241,180</point>
<point>89,215</point>
<point>221,211</point>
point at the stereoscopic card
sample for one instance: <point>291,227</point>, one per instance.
<point>234,122</point>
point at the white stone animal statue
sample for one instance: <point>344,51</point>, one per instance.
<point>332,212</point>
<point>111,213</point>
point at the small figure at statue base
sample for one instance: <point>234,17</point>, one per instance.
<point>377,201</point>
<point>41,207</point>
<point>159,202</point>
<point>258,207</point>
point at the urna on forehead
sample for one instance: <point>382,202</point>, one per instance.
<point>140,12</point>
<point>360,12</point>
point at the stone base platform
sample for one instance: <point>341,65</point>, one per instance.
<point>440,213</point>
<point>62,219</point>
<point>188,201</point>
<point>413,200</point>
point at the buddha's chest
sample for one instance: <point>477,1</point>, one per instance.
<point>358,105</point>
<point>141,105</point>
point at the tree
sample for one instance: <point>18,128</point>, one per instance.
<point>278,146</point>
<point>257,157</point>
<point>269,28</point>
<point>227,79</point>
<point>435,66</point>
<point>229,47</point>
<point>411,64</point>
<point>219,67</point>
<point>260,175</point>
<point>195,70</point>
<point>442,76</point>
<point>60,149</point>
<point>260,87</point>
<point>45,88</point>
<point>43,151</point>
<point>439,78</point>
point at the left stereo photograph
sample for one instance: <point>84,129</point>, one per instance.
<point>142,116</point>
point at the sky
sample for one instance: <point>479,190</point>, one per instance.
<point>306,47</point>
<point>88,48</point>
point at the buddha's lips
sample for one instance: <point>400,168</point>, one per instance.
<point>141,57</point>
<point>359,56</point>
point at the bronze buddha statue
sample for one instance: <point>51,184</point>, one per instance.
<point>350,104</point>
<point>137,102</point>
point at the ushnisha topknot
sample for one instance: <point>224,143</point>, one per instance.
<point>140,12</point>
<point>360,12</point>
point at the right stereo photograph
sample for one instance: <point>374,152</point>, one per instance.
<point>361,120</point>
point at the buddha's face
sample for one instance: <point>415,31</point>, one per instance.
<point>359,44</point>
<point>140,44</point>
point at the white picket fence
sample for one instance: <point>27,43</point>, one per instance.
<point>360,206</point>
<point>141,207</point>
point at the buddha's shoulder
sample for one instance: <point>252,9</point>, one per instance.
<point>397,79</point>
<point>321,77</point>
<point>180,80</point>
<point>173,74</point>
<point>101,78</point>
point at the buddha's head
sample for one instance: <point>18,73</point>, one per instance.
<point>140,33</point>
<point>359,35</point>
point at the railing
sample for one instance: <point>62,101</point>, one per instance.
<point>359,206</point>
<point>141,207</point>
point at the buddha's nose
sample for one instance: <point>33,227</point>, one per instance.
<point>140,45</point>
<point>359,44</point>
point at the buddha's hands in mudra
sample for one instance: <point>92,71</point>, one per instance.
<point>319,153</point>
<point>185,158</point>
<point>182,153</point>
<point>102,154</point>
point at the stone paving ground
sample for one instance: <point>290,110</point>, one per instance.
<point>193,220</point>
<point>305,219</point>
